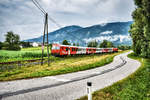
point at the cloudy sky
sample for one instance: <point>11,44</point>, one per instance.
<point>24,18</point>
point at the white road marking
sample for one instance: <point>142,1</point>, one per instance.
<point>57,79</point>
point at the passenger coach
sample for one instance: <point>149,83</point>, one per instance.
<point>64,50</point>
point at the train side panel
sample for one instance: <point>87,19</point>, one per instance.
<point>73,50</point>
<point>64,50</point>
<point>81,50</point>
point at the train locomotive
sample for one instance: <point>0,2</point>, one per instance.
<point>65,50</point>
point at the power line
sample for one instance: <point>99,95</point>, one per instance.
<point>38,6</point>
<point>44,12</point>
<point>51,19</point>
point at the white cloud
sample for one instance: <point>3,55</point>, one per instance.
<point>103,23</point>
<point>122,38</point>
<point>106,32</point>
<point>66,12</point>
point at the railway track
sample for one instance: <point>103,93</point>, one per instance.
<point>21,61</point>
<point>18,64</point>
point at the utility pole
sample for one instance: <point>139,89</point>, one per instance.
<point>43,44</point>
<point>47,40</point>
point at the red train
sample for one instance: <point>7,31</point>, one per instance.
<point>64,50</point>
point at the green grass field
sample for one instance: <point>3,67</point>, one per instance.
<point>134,87</point>
<point>59,66</point>
<point>24,54</point>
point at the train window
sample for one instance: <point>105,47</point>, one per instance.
<point>56,47</point>
<point>73,49</point>
<point>53,47</point>
<point>66,49</point>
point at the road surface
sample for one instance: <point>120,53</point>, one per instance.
<point>69,86</point>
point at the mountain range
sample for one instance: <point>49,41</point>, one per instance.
<point>116,32</point>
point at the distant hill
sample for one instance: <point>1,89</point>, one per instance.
<point>117,32</point>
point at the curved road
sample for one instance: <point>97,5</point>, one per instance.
<point>69,86</point>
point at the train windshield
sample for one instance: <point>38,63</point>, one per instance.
<point>56,47</point>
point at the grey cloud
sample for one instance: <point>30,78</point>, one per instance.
<point>22,17</point>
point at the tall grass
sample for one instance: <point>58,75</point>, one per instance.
<point>134,87</point>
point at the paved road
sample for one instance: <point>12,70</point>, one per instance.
<point>69,86</point>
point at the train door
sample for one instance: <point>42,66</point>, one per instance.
<point>68,51</point>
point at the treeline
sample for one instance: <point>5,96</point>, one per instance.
<point>65,42</point>
<point>12,42</point>
<point>140,29</point>
<point>124,47</point>
<point>108,44</point>
<point>104,44</point>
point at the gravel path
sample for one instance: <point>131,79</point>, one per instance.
<point>69,86</point>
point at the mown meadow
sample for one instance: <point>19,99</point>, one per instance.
<point>23,54</point>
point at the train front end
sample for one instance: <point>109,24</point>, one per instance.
<point>55,51</point>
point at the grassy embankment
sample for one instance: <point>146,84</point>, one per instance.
<point>24,54</point>
<point>60,66</point>
<point>134,87</point>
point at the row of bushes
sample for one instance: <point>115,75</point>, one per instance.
<point>7,46</point>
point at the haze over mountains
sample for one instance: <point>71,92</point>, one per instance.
<point>116,32</point>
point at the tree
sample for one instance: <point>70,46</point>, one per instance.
<point>93,44</point>
<point>25,44</point>
<point>12,41</point>
<point>106,44</point>
<point>140,29</point>
<point>50,45</point>
<point>77,44</point>
<point>1,45</point>
<point>124,47</point>
<point>74,44</point>
<point>65,42</point>
<point>109,44</point>
<point>103,44</point>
